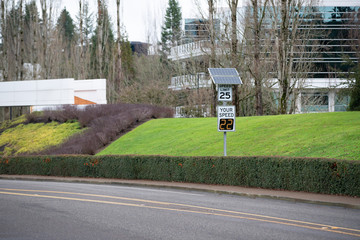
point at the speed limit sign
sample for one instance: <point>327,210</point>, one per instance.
<point>225,93</point>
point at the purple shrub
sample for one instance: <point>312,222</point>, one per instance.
<point>105,123</point>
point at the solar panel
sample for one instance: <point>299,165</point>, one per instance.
<point>223,72</point>
<point>226,80</point>
<point>225,76</point>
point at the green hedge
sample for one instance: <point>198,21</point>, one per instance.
<point>329,176</point>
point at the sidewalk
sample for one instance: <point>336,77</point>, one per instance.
<point>342,201</point>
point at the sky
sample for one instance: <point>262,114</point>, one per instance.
<point>143,18</point>
<point>140,17</point>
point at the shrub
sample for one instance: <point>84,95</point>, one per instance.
<point>329,176</point>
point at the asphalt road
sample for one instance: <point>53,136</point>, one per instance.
<point>52,210</point>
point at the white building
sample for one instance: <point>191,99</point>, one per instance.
<point>50,94</point>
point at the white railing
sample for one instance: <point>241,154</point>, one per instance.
<point>192,111</point>
<point>190,82</point>
<point>189,49</point>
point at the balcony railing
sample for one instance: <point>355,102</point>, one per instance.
<point>189,49</point>
<point>190,82</point>
<point>199,48</point>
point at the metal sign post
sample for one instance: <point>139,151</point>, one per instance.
<point>224,78</point>
<point>225,144</point>
<point>225,147</point>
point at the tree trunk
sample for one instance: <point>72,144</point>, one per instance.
<point>100,37</point>
<point>211,4</point>
<point>257,62</point>
<point>44,39</point>
<point>21,47</point>
<point>234,50</point>
<point>4,42</point>
<point>118,69</point>
<point>284,43</point>
<point>82,60</point>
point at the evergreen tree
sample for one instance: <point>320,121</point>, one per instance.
<point>66,26</point>
<point>103,39</point>
<point>127,59</point>
<point>171,31</point>
<point>31,35</point>
<point>31,13</point>
<point>355,91</point>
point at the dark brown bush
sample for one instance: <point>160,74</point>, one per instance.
<point>105,123</point>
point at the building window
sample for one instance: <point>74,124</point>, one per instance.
<point>314,102</point>
<point>341,102</point>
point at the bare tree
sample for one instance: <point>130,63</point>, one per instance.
<point>258,8</point>
<point>233,5</point>
<point>46,27</point>
<point>18,44</point>
<point>4,62</point>
<point>151,85</point>
<point>212,32</point>
<point>44,35</point>
<point>118,67</point>
<point>81,20</point>
<point>287,16</point>
<point>100,39</point>
<point>85,29</point>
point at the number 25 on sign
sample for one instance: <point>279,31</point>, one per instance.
<point>225,93</point>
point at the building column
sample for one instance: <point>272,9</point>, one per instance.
<point>298,103</point>
<point>331,100</point>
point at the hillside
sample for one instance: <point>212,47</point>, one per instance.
<point>70,130</point>
<point>331,135</point>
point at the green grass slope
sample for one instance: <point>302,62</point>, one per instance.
<point>330,135</point>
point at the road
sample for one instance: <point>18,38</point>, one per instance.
<point>54,210</point>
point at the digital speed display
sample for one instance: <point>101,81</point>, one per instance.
<point>226,118</point>
<point>226,124</point>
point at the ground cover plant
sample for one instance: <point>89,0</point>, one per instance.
<point>32,138</point>
<point>11,123</point>
<point>329,135</point>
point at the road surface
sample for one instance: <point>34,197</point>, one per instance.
<point>53,210</point>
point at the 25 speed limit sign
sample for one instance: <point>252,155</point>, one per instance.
<point>225,93</point>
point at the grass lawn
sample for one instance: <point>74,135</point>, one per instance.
<point>330,135</point>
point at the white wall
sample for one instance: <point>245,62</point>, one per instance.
<point>93,90</point>
<point>339,3</point>
<point>51,93</point>
<point>39,92</point>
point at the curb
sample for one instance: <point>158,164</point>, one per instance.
<point>302,197</point>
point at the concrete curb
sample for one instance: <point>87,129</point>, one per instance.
<point>314,198</point>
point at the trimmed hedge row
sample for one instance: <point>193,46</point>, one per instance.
<point>317,175</point>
